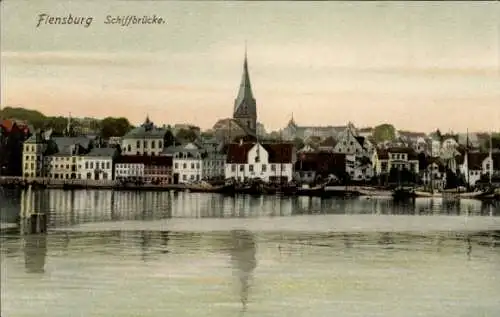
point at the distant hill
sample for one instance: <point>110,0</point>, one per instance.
<point>59,124</point>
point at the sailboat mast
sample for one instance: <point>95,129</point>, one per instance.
<point>467,158</point>
<point>491,156</point>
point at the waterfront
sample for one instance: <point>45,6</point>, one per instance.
<point>187,254</point>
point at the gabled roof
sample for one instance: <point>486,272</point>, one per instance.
<point>66,145</point>
<point>475,160</point>
<point>238,153</point>
<point>278,153</point>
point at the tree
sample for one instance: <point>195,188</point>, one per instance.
<point>186,135</point>
<point>384,132</point>
<point>118,127</point>
<point>169,139</point>
<point>298,143</point>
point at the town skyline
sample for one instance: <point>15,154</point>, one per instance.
<point>413,69</point>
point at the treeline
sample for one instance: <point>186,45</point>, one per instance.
<point>106,127</point>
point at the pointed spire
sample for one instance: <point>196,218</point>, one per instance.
<point>245,95</point>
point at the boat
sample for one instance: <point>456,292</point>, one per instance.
<point>372,192</point>
<point>311,191</point>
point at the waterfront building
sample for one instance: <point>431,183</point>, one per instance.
<point>129,168</point>
<point>479,164</point>
<point>147,139</point>
<point>63,155</point>
<point>195,162</point>
<point>34,149</point>
<point>97,164</point>
<point>319,165</point>
<point>272,162</point>
<point>398,158</point>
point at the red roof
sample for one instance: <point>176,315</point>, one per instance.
<point>238,153</point>
<point>144,159</point>
<point>279,153</point>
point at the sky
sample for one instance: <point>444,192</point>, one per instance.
<point>417,65</point>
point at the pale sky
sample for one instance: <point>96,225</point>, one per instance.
<point>420,66</point>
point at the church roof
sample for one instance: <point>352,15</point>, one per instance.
<point>244,103</point>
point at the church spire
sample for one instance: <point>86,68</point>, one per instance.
<point>245,107</point>
<point>245,95</point>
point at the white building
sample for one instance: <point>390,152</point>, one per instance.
<point>33,155</point>
<point>97,164</point>
<point>271,162</point>
<point>144,140</point>
<point>129,168</point>
<point>65,152</point>
<point>193,162</point>
<point>397,158</point>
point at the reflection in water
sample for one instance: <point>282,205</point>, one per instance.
<point>35,252</point>
<point>243,259</point>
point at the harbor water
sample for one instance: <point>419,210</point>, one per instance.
<point>131,253</point>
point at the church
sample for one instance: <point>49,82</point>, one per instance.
<point>244,121</point>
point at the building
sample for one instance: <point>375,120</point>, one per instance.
<point>194,162</point>
<point>144,140</point>
<point>350,143</point>
<point>311,167</point>
<point>63,156</point>
<point>395,158</point>
<point>158,170</point>
<point>129,168</point>
<point>245,106</point>
<point>293,130</point>
<point>97,164</point>
<point>272,162</point>
<point>12,137</point>
<point>479,164</point>
<point>34,150</point>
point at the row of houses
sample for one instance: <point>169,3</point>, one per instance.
<point>77,158</point>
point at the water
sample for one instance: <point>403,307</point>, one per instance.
<point>163,254</point>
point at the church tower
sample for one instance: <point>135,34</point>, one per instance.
<point>245,107</point>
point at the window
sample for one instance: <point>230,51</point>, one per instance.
<point>488,166</point>
<point>86,165</point>
<point>250,167</point>
<point>264,167</point>
<point>160,144</point>
<point>191,177</point>
<point>197,165</point>
<point>138,144</point>
<point>91,165</point>
<point>192,166</point>
<point>184,166</point>
<point>273,167</point>
<point>242,168</point>
<point>176,165</point>
<point>257,159</point>
<point>145,143</point>
<point>129,148</point>
<point>283,167</point>
<point>153,144</point>
<point>233,167</point>
<point>108,165</point>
